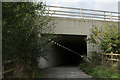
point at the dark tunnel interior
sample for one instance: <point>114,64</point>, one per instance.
<point>76,43</point>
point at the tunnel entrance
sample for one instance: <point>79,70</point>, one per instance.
<point>76,43</point>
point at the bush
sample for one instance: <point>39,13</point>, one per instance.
<point>106,37</point>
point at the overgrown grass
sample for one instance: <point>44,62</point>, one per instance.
<point>100,71</point>
<point>37,72</point>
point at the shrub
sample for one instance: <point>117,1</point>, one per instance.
<point>106,37</point>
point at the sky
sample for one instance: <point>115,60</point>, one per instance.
<point>109,5</point>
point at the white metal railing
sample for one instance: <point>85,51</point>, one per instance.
<point>82,13</point>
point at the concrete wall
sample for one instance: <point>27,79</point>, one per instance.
<point>72,26</point>
<point>77,26</point>
<point>54,58</point>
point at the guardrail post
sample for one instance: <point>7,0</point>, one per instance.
<point>112,56</point>
<point>48,9</point>
<point>81,13</point>
<point>54,12</point>
<point>110,16</point>
<point>104,15</point>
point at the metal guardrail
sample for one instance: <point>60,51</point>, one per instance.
<point>59,11</point>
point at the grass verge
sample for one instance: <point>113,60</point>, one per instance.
<point>100,71</point>
<point>37,73</point>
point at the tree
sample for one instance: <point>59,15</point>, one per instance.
<point>22,34</point>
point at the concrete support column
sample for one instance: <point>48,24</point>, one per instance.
<point>90,48</point>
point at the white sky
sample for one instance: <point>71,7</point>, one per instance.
<point>109,5</point>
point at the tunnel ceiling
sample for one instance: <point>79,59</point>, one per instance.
<point>76,43</point>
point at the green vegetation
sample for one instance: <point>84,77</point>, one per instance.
<point>107,39</point>
<point>22,37</point>
<point>38,73</point>
<point>100,71</point>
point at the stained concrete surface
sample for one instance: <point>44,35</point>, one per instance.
<point>65,72</point>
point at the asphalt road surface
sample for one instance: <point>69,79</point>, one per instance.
<point>65,72</point>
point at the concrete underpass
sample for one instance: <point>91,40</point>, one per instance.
<point>76,43</point>
<point>60,56</point>
<point>73,33</point>
<point>63,63</point>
